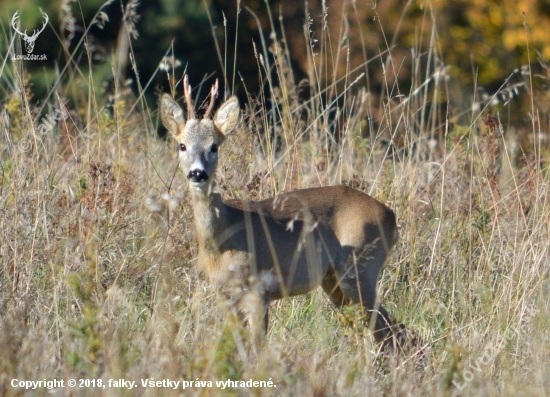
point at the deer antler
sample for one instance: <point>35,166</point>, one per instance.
<point>213,96</point>
<point>46,19</point>
<point>188,100</point>
<point>16,24</point>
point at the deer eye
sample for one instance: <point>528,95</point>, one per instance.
<point>182,147</point>
<point>214,148</point>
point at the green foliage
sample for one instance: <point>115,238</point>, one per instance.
<point>226,362</point>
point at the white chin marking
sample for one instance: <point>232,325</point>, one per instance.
<point>197,184</point>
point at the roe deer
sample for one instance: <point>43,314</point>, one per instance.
<point>256,252</point>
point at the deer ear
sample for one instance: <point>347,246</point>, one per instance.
<point>227,116</point>
<point>171,115</point>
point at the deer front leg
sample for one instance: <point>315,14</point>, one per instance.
<point>250,302</point>
<point>253,307</point>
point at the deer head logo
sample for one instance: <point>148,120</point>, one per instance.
<point>29,40</point>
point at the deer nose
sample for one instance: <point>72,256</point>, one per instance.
<point>197,175</point>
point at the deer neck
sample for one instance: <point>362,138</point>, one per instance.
<point>210,218</point>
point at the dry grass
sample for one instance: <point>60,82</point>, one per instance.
<point>97,275</point>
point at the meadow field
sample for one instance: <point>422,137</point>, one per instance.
<point>98,278</point>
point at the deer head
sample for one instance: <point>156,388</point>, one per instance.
<point>199,139</point>
<point>29,40</point>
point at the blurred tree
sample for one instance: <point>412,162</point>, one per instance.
<point>483,41</point>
